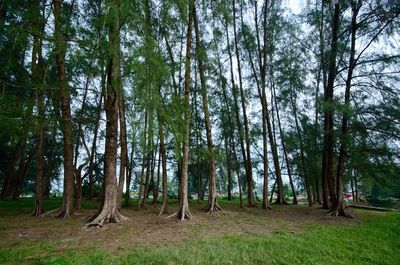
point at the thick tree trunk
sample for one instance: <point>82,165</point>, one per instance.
<point>109,212</point>
<point>212,194</point>
<point>65,104</point>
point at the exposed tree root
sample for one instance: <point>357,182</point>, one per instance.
<point>163,210</point>
<point>281,202</point>
<point>182,214</point>
<point>107,216</point>
<point>38,211</point>
<point>339,211</point>
<point>213,207</point>
<point>252,205</point>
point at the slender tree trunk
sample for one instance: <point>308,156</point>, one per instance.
<point>284,149</point>
<point>65,104</point>
<point>124,147</point>
<point>109,212</point>
<point>164,207</point>
<point>327,157</point>
<point>338,207</point>
<point>237,114</point>
<point>141,184</point>
<point>325,188</point>
<point>250,196</point>
<point>129,178</point>
<point>156,189</point>
<point>183,212</point>
<point>212,194</point>
<point>272,192</point>
<point>148,162</point>
<point>37,65</point>
<point>302,156</point>
<point>96,132</point>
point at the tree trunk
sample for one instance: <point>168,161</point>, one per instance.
<point>212,194</point>
<point>156,188</point>
<point>129,178</point>
<point>237,115</point>
<point>109,212</point>
<point>250,196</point>
<point>164,207</point>
<point>37,68</point>
<point>302,156</point>
<point>183,212</point>
<point>96,131</point>
<point>338,207</point>
<point>65,104</point>
<point>141,186</point>
<point>327,157</point>
<point>124,147</point>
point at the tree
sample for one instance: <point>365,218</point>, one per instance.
<point>183,212</point>
<point>109,212</point>
<point>65,104</point>
<point>212,194</point>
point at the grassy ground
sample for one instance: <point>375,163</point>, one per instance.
<point>283,235</point>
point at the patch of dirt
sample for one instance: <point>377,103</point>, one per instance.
<point>145,228</point>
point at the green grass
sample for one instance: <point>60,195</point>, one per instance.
<point>374,240</point>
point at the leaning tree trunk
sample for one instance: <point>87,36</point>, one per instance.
<point>183,212</point>
<point>65,104</point>
<point>109,212</point>
<point>212,194</point>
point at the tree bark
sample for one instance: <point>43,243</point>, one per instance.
<point>124,147</point>
<point>109,212</point>
<point>327,157</point>
<point>237,114</point>
<point>212,194</point>
<point>249,174</point>
<point>164,207</point>
<point>65,104</point>
<point>338,207</point>
<point>183,212</point>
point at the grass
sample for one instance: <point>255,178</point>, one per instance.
<point>269,238</point>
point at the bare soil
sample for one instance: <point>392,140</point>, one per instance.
<point>145,228</point>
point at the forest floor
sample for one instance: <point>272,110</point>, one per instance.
<point>284,235</point>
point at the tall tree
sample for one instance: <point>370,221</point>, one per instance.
<point>249,170</point>
<point>65,104</point>
<point>200,54</point>
<point>183,212</point>
<point>109,212</point>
